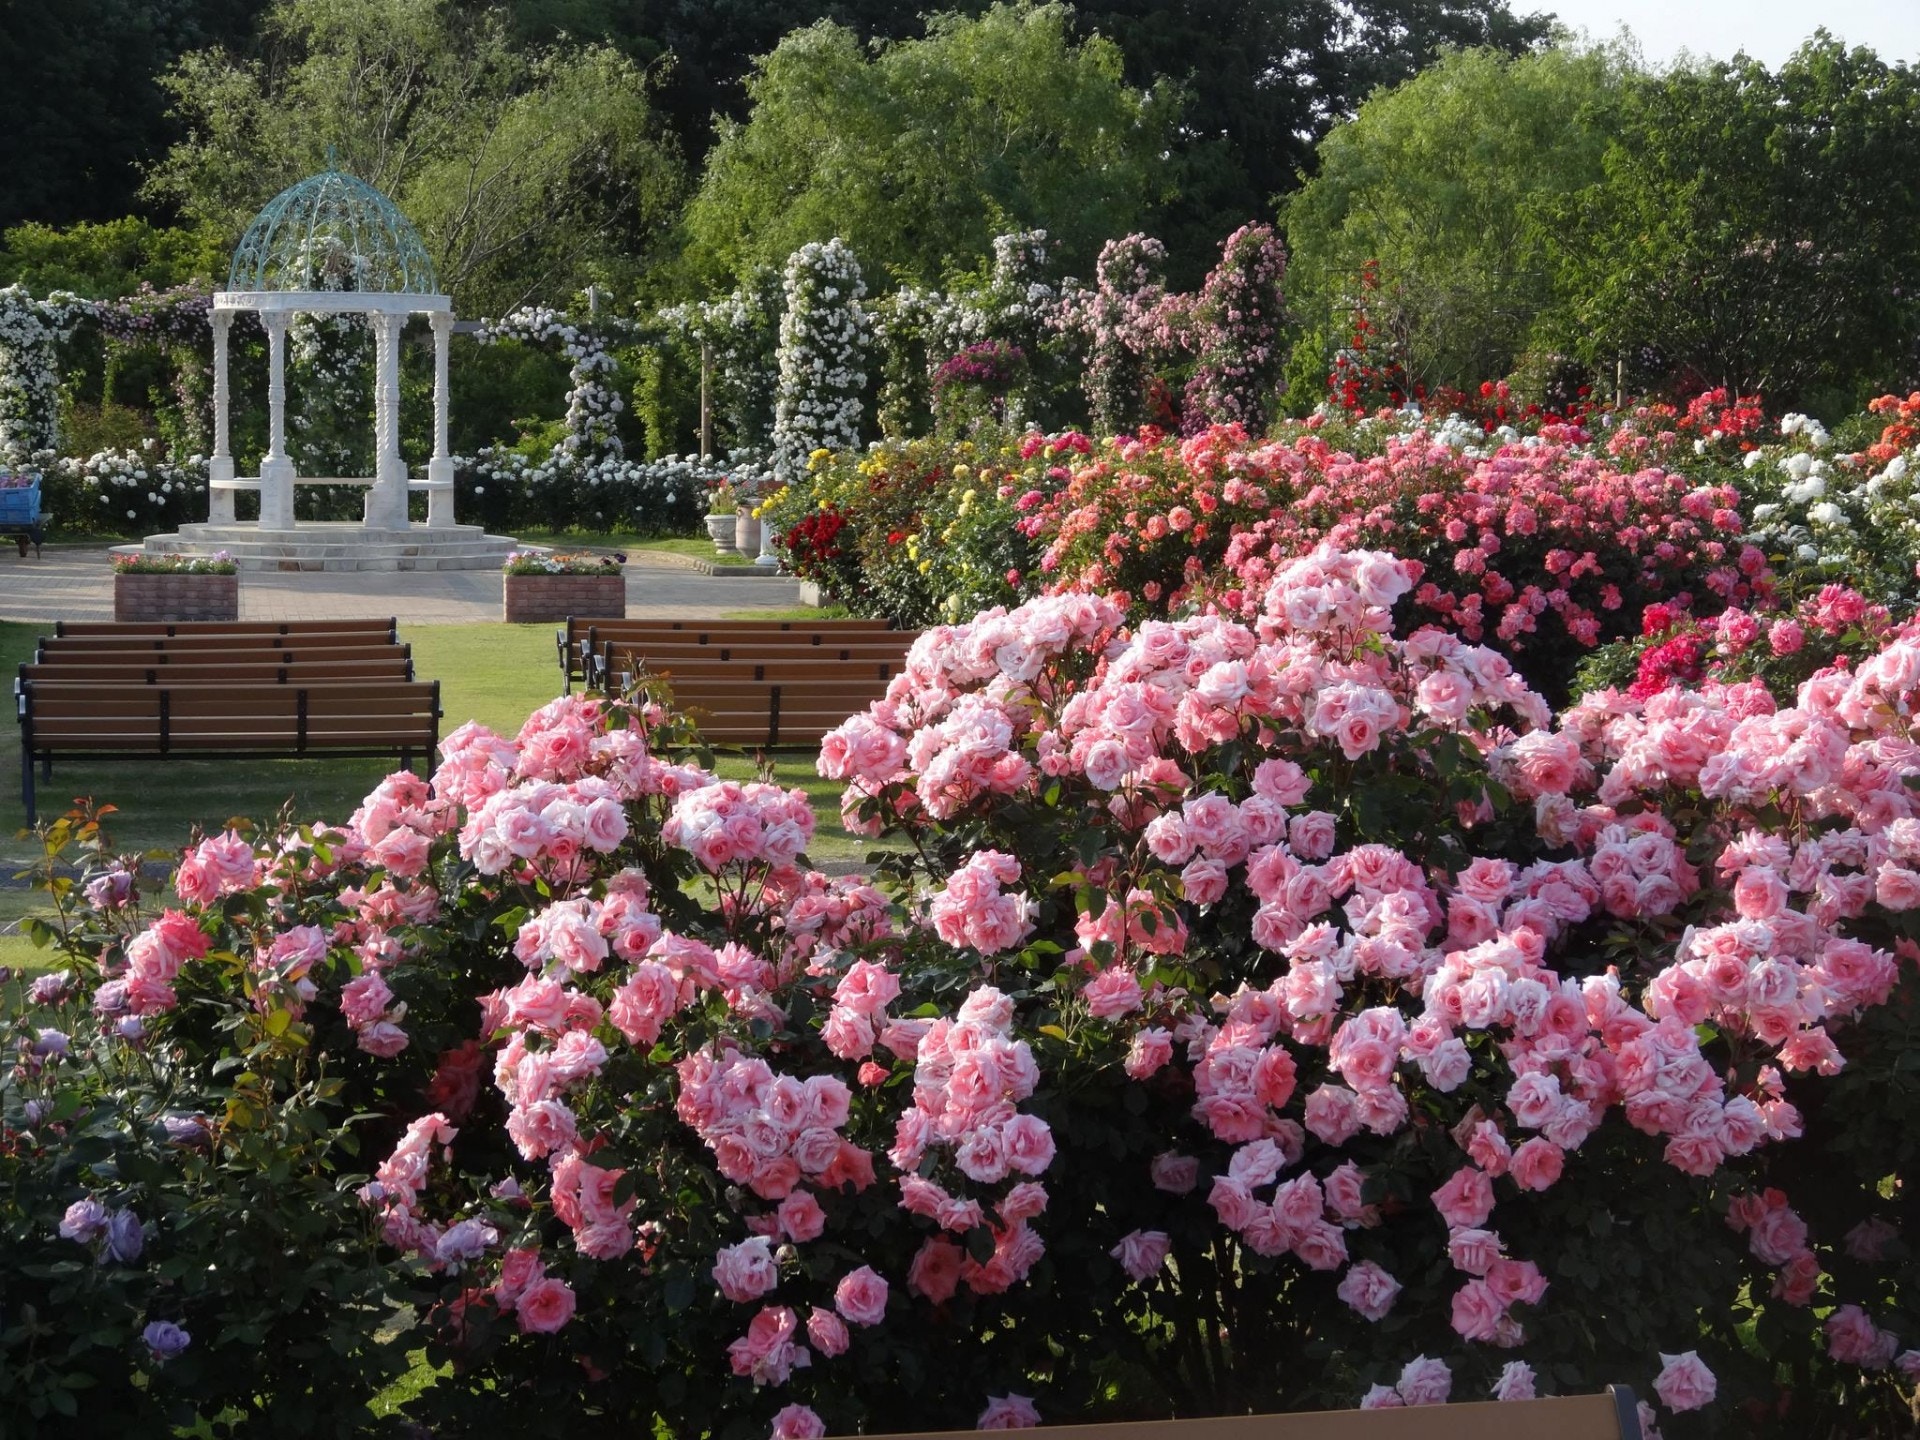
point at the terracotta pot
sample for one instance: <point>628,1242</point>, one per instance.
<point>526,599</point>
<point>746,534</point>
<point>160,596</point>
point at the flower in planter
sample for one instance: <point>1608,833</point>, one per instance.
<point>540,562</point>
<point>219,563</point>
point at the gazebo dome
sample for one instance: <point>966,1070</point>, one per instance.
<point>332,232</point>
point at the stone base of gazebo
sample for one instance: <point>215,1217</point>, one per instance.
<point>336,545</point>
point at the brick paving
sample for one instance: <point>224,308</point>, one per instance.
<point>76,583</point>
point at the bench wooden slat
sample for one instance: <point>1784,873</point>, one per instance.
<point>1607,1416</point>
<point>387,667</point>
<point>209,644</point>
<point>250,655</point>
<point>387,629</point>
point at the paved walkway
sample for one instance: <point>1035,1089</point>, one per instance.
<point>76,583</point>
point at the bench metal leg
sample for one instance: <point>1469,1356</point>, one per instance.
<point>26,785</point>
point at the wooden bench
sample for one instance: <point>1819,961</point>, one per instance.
<point>88,720</point>
<point>581,639</point>
<point>1609,1416</point>
<point>387,630</point>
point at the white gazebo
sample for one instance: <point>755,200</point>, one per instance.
<point>334,245</point>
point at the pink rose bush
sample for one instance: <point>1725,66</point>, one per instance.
<point>1277,992</point>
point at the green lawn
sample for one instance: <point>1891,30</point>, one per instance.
<point>495,674</point>
<point>696,548</point>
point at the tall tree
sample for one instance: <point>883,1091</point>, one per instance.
<point>528,171</point>
<point>919,153</point>
<point>85,109</point>
<point>1264,79</point>
<point>1443,180</point>
<point>1755,229</point>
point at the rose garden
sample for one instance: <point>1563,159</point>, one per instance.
<point>1372,884</point>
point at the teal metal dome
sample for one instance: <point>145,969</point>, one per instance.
<point>332,232</point>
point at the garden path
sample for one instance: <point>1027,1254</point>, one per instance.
<point>76,583</point>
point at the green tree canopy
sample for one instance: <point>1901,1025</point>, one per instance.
<point>1755,229</point>
<point>1442,180</point>
<point>527,171</point>
<point>85,108</point>
<point>919,152</point>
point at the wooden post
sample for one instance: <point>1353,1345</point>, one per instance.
<point>706,408</point>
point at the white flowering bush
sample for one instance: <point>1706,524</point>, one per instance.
<point>505,489</point>
<point>30,370</point>
<point>593,405</point>
<point>823,343</point>
<point>128,490</point>
<point>1840,517</point>
<point>330,421</point>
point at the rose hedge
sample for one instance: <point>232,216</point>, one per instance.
<point>1262,1015</point>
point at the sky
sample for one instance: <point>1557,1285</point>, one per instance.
<point>1768,30</point>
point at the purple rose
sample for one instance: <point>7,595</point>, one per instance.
<point>51,1042</point>
<point>85,1221</point>
<point>165,1339</point>
<point>125,1239</point>
<point>50,989</point>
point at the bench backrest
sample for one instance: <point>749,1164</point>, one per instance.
<point>286,652</point>
<point>679,672</point>
<point>387,629</point>
<point>1608,1416</point>
<point>211,644</point>
<point>382,715</point>
<point>756,713</point>
<point>147,671</point>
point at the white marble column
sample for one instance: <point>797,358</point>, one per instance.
<point>276,468</point>
<point>440,467</point>
<point>387,497</point>
<point>220,463</point>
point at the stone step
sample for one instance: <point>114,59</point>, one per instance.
<point>336,546</point>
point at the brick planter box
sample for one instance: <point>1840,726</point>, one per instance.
<point>176,597</point>
<point>530,598</point>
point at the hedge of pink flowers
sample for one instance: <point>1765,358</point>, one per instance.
<point>1267,1010</point>
<point>1535,546</point>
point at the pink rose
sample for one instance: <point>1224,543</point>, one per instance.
<point>1684,1382</point>
<point>801,1218</point>
<point>798,1422</point>
<point>1515,1382</point>
<point>1112,993</point>
<point>1473,1251</point>
<point>1369,1290</point>
<point>1176,1174</point>
<point>1466,1200</point>
<point>1142,1253</point>
<point>1477,1311</point>
<point>828,1333</point>
<point>935,1272</point>
<point>544,1306</point>
<point>745,1272</point>
<point>861,1296</point>
<point>1537,1164</point>
<point>1425,1382</point>
<point>1151,1049</point>
<point>1029,1144</point>
<point>1008,1412</point>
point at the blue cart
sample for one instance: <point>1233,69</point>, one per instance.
<point>20,511</point>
